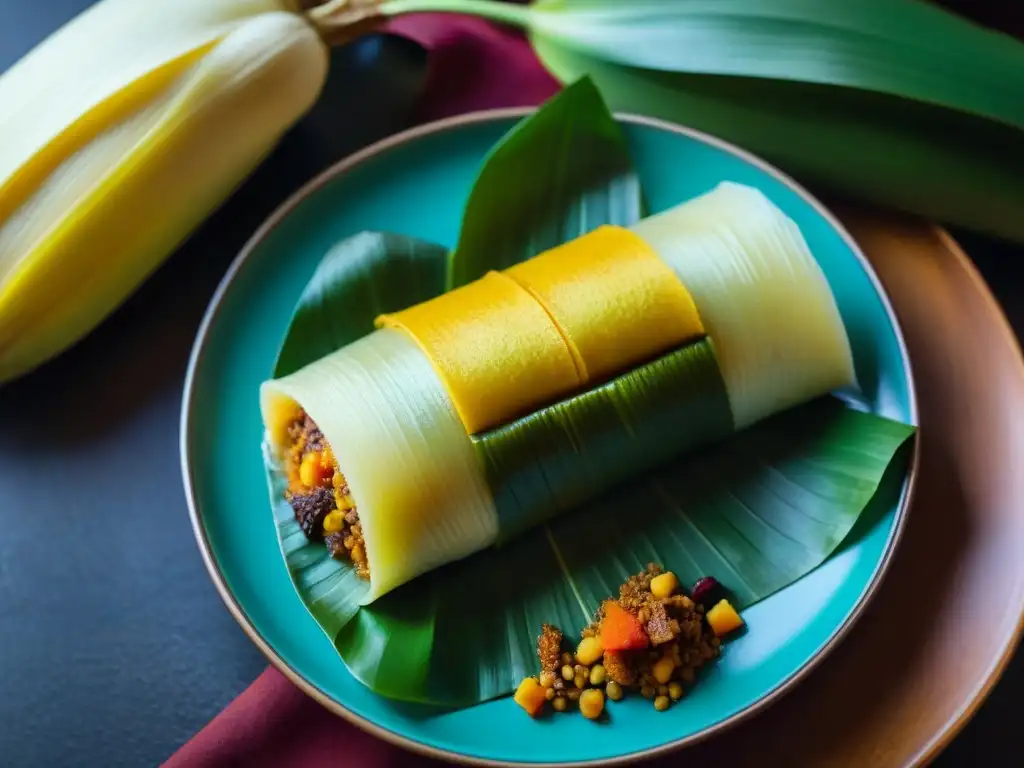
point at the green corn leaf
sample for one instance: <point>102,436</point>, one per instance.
<point>557,175</point>
<point>904,48</point>
<point>922,160</point>
<point>571,451</point>
<point>897,103</point>
<point>758,509</point>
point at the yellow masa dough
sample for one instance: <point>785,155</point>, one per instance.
<point>616,303</point>
<point>493,346</point>
<point>515,340</point>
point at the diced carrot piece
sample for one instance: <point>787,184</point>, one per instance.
<point>620,630</point>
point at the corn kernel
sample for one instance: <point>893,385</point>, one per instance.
<point>338,481</point>
<point>589,651</point>
<point>334,521</point>
<point>662,669</point>
<point>309,470</point>
<point>663,585</point>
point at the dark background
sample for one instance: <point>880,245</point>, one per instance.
<point>114,646</point>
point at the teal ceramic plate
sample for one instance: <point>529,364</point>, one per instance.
<point>416,183</point>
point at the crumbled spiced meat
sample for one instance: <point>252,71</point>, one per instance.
<point>618,666</point>
<point>637,589</point>
<point>680,644</point>
<point>314,437</point>
<point>657,626</point>
<point>549,648</point>
<point>336,545</point>
<point>311,509</point>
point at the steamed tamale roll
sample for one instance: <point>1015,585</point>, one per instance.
<point>470,417</point>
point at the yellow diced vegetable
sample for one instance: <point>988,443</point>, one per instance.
<point>723,618</point>
<point>310,472</point>
<point>591,703</point>
<point>531,695</point>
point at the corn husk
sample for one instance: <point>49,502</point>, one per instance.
<point>128,127</point>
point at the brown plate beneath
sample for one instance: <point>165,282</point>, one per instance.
<point>950,611</point>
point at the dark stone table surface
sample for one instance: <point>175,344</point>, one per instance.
<point>114,646</point>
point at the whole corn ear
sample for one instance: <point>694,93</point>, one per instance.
<point>119,135</point>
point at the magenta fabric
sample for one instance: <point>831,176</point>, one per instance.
<point>275,725</point>
<point>473,65</point>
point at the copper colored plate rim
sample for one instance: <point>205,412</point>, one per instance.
<point>336,707</point>
<point>956,724</point>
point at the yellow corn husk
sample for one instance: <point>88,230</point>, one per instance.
<point>119,135</point>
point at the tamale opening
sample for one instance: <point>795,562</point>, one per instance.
<point>319,494</point>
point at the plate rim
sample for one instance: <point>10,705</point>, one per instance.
<point>980,692</point>
<point>352,161</point>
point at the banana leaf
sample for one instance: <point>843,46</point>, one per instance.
<point>514,212</point>
<point>571,451</point>
<point>361,277</point>
<point>895,102</point>
<point>758,510</point>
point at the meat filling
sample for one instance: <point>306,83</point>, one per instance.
<point>320,497</point>
<point>652,639</point>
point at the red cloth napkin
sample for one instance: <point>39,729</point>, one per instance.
<point>473,65</point>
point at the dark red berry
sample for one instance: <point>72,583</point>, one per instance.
<point>707,591</point>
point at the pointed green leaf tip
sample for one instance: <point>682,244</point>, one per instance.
<point>360,278</point>
<point>557,175</point>
<point>758,511</point>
